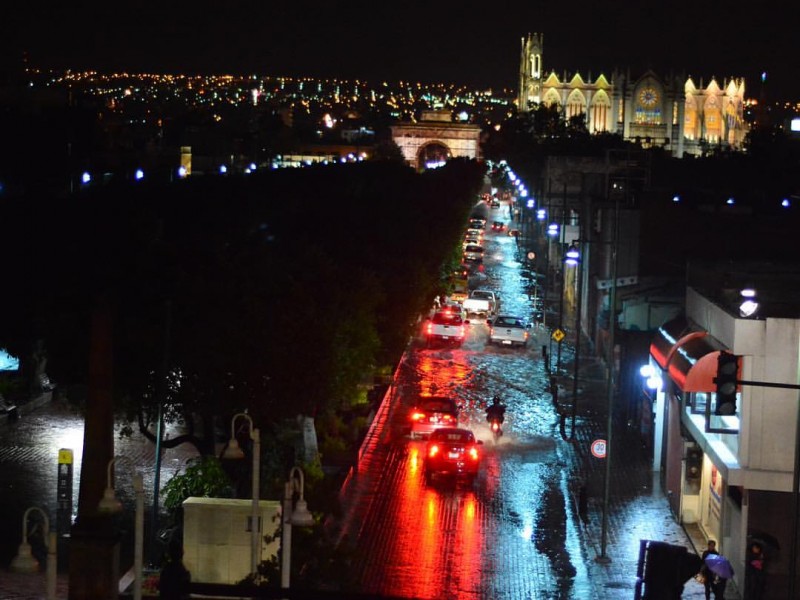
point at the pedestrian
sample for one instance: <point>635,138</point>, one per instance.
<point>755,576</point>
<point>708,576</point>
<point>718,587</point>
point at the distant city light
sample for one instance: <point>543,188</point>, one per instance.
<point>785,203</point>
<point>730,201</point>
<point>138,175</point>
<point>182,171</point>
<point>252,166</point>
<point>223,169</point>
<point>676,198</point>
<point>763,76</point>
<point>86,177</point>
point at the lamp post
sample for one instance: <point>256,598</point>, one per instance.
<point>24,561</point>
<point>573,258</point>
<point>234,451</point>
<point>292,515</point>
<point>110,504</point>
<point>612,306</point>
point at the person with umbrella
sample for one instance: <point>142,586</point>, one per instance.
<point>720,570</point>
<point>708,578</point>
<point>755,579</point>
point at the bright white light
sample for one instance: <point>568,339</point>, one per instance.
<point>748,308</point>
<point>730,201</point>
<point>530,203</point>
<point>676,198</point>
<point>138,175</point>
<point>541,214</point>
<point>655,382</point>
<point>647,370</point>
<point>86,178</point>
<point>463,116</point>
<point>524,193</point>
<point>181,171</point>
<point>252,166</point>
<point>552,229</point>
<point>748,293</point>
<point>785,203</point>
<point>223,169</point>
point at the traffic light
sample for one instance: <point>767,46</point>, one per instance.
<point>727,375</point>
<point>694,462</point>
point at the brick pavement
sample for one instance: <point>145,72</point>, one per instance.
<point>637,507</point>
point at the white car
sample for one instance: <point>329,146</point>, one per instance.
<point>473,253</point>
<point>507,330</point>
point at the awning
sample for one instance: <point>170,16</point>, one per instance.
<point>666,337</point>
<point>693,364</point>
<point>688,354</point>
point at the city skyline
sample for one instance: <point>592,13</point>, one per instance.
<point>414,42</point>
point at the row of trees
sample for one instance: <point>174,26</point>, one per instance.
<point>278,293</point>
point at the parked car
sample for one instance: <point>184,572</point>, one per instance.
<point>452,452</point>
<point>508,330</point>
<point>431,413</point>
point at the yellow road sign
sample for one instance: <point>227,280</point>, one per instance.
<point>557,335</point>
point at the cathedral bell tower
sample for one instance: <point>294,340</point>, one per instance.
<point>530,72</point>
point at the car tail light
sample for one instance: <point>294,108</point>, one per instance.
<point>495,425</point>
<point>433,451</point>
<point>526,335</point>
<point>473,453</point>
<point>491,330</point>
<point>416,416</point>
<point>429,328</point>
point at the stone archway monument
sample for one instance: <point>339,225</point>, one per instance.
<point>435,138</point>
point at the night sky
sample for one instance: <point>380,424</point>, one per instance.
<point>452,42</point>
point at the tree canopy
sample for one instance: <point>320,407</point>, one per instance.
<point>277,293</point>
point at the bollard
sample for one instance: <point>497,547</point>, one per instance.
<point>544,358</point>
<point>583,503</point>
<point>562,420</point>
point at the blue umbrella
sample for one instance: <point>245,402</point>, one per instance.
<point>719,565</point>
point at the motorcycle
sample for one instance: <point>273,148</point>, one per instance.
<point>495,425</point>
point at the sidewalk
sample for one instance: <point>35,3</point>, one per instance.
<point>637,507</point>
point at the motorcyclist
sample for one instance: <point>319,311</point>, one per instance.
<point>496,411</point>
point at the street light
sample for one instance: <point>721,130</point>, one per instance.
<point>110,504</point>
<point>234,451</point>
<point>573,259</point>
<point>292,515</point>
<point>24,561</point>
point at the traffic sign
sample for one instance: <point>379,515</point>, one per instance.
<point>599,448</point>
<point>558,335</point>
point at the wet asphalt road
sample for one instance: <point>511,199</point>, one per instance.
<point>513,533</point>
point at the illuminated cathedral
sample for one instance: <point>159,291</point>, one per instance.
<point>670,112</point>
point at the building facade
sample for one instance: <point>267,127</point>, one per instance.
<point>671,112</point>
<point>435,138</point>
<point>729,471</point>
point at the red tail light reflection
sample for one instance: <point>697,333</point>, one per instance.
<point>433,451</point>
<point>473,452</point>
<point>417,416</point>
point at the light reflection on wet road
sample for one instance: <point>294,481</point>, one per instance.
<point>513,534</point>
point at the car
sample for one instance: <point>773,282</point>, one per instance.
<point>477,222</point>
<point>473,253</point>
<point>431,413</point>
<point>447,324</point>
<point>474,231</point>
<point>508,330</point>
<point>452,452</point>
<point>494,203</point>
<point>498,226</point>
<point>472,239</point>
